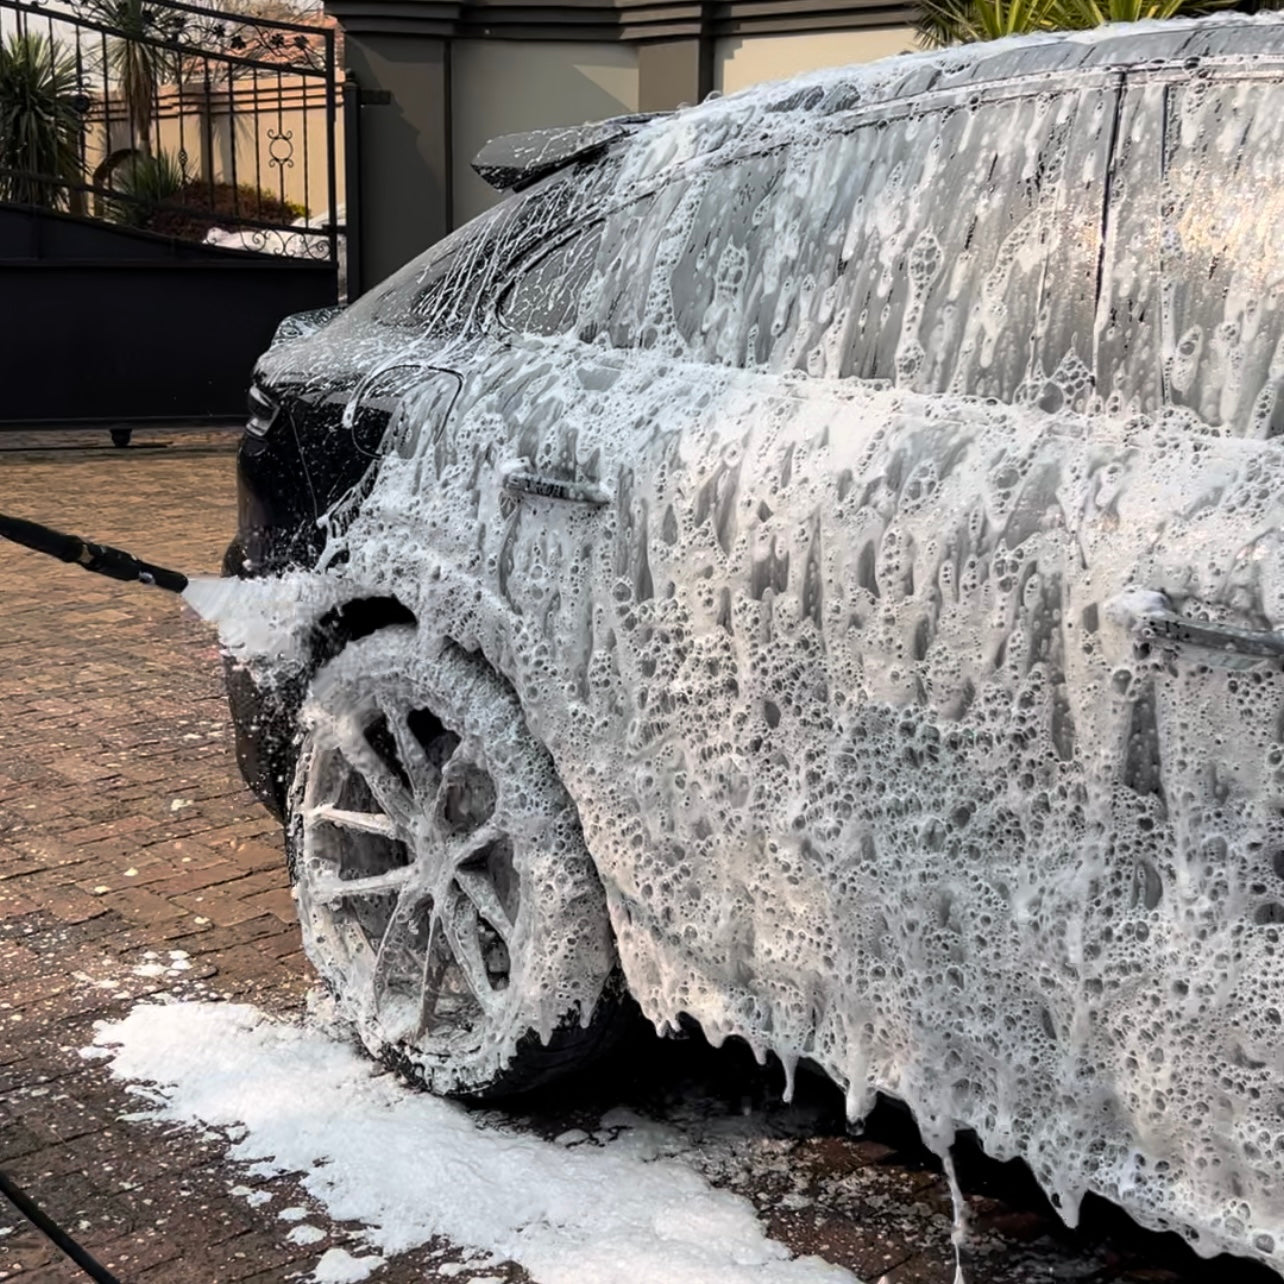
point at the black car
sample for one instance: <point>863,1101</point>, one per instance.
<point>813,560</point>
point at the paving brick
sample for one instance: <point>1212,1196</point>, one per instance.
<point>225,911</point>
<point>189,879</point>
<point>259,855</point>
<point>142,905</point>
<point>14,906</point>
<point>71,905</point>
<point>130,1256</point>
<point>276,901</point>
<point>18,1140</point>
<point>113,709</point>
<point>130,824</point>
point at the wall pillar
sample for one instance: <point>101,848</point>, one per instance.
<point>403,87</point>
<point>672,72</point>
<point>439,77</point>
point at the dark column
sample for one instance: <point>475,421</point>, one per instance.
<point>671,72</point>
<point>404,87</point>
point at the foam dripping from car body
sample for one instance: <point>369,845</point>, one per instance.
<point>874,768</point>
<point>863,842</point>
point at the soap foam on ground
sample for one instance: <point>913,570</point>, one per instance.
<point>408,1167</point>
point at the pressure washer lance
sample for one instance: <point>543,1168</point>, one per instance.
<point>99,558</point>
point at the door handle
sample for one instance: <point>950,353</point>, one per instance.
<point>1151,618</point>
<point>518,478</point>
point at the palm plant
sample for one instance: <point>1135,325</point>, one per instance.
<point>947,22</point>
<point>1074,15</point>
<point>136,66</point>
<point>39,123</point>
<point>944,22</point>
<point>137,59</point>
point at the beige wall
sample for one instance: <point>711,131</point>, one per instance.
<point>739,62</point>
<point>505,86</point>
<point>202,127</point>
<point>290,160</point>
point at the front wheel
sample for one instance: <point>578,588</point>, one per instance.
<point>444,889</point>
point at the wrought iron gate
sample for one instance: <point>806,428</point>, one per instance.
<point>169,190</point>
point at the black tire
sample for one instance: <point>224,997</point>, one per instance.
<point>474,954</point>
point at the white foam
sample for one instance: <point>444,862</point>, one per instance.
<point>406,1167</point>
<point>267,616</point>
<point>846,681</point>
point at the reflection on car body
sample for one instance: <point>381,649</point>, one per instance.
<point>916,423</point>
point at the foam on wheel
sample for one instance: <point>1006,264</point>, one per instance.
<point>444,890</point>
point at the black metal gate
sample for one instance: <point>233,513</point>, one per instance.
<point>169,191</point>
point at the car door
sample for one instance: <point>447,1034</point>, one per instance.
<point>614,531</point>
<point>656,390</point>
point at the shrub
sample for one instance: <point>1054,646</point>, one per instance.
<point>39,124</point>
<point>156,195</point>
<point>145,182</point>
<point>199,206</point>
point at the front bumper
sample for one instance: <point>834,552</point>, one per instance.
<point>288,478</point>
<point>264,721</point>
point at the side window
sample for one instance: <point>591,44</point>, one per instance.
<point>444,287</point>
<point>763,280</point>
<point>953,247</point>
<point>546,297</point>
<point>949,248</point>
<point>728,279</point>
<point>1194,292</point>
<point>701,269</point>
<point>607,283</point>
<point>626,302</point>
<point>972,244</point>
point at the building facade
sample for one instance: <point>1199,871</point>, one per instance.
<point>433,81</point>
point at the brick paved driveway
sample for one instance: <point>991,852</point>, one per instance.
<point>125,834</point>
<point>132,860</point>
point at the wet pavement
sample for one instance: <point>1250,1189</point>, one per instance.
<point>133,862</point>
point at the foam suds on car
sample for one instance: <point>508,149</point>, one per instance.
<point>875,777</point>
<point>875,768</point>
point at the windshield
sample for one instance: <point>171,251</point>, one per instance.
<point>411,295</point>
<point>442,289</point>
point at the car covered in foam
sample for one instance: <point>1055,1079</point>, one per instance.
<point>815,561</point>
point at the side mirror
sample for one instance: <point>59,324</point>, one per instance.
<point>300,325</point>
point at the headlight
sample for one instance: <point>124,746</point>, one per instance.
<point>263,412</point>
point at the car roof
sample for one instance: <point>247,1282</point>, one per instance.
<point>1234,41</point>
<point>778,112</point>
<point>1230,44</point>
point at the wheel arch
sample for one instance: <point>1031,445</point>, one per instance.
<point>266,722</point>
<point>357,618</point>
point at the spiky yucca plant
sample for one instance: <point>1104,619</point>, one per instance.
<point>39,124</point>
<point>146,181</point>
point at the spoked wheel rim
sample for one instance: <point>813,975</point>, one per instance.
<point>425,824</point>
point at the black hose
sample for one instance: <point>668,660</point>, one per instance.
<point>99,558</point>
<point>51,1230</point>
